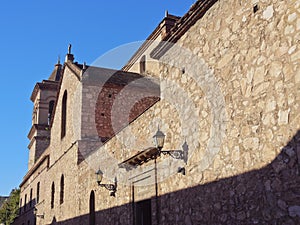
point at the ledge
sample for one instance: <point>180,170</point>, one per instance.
<point>35,167</point>
<point>36,127</point>
<point>140,158</point>
<point>45,84</point>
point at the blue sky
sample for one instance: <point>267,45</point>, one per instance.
<point>34,33</point>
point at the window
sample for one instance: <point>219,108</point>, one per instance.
<point>52,195</point>
<point>50,110</point>
<point>62,187</point>
<point>30,198</point>
<point>64,115</point>
<point>20,209</point>
<point>34,116</point>
<point>38,192</point>
<point>143,64</point>
<point>92,209</point>
<point>143,212</point>
<point>25,202</point>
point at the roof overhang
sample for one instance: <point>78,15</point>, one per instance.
<point>140,158</point>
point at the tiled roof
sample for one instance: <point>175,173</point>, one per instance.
<point>56,74</point>
<point>117,77</point>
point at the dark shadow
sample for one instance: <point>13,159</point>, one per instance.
<point>267,196</point>
<point>92,217</point>
<point>54,221</point>
<point>26,213</point>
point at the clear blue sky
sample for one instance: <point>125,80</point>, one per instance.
<point>34,33</point>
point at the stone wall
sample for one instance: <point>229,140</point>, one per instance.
<point>72,86</point>
<point>30,185</point>
<point>251,60</point>
<point>61,161</point>
<point>230,91</point>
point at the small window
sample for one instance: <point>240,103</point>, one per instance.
<point>62,187</point>
<point>30,199</point>
<point>38,192</point>
<point>64,115</point>
<point>25,202</point>
<point>52,195</point>
<point>20,209</point>
<point>50,111</point>
<point>34,116</point>
<point>143,65</point>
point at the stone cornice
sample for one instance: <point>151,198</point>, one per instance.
<point>196,12</point>
<point>167,23</point>
<point>35,167</point>
<point>36,127</point>
<point>45,84</point>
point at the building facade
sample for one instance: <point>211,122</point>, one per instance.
<point>221,82</point>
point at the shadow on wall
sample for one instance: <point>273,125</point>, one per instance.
<point>26,213</point>
<point>270,195</point>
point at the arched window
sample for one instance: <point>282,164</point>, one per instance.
<point>92,209</point>
<point>30,198</point>
<point>64,115</point>
<point>38,192</point>
<point>50,111</point>
<point>62,187</point>
<point>52,195</point>
<point>143,65</point>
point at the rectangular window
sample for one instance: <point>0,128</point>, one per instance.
<point>25,203</point>
<point>30,200</point>
<point>143,212</point>
<point>38,192</point>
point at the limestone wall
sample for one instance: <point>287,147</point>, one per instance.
<point>230,89</point>
<point>72,86</point>
<point>30,187</point>
<point>248,64</point>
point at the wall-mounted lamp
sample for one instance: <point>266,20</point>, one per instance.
<point>37,215</point>
<point>159,139</point>
<point>111,187</point>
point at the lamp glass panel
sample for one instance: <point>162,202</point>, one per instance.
<point>159,139</point>
<point>99,175</point>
